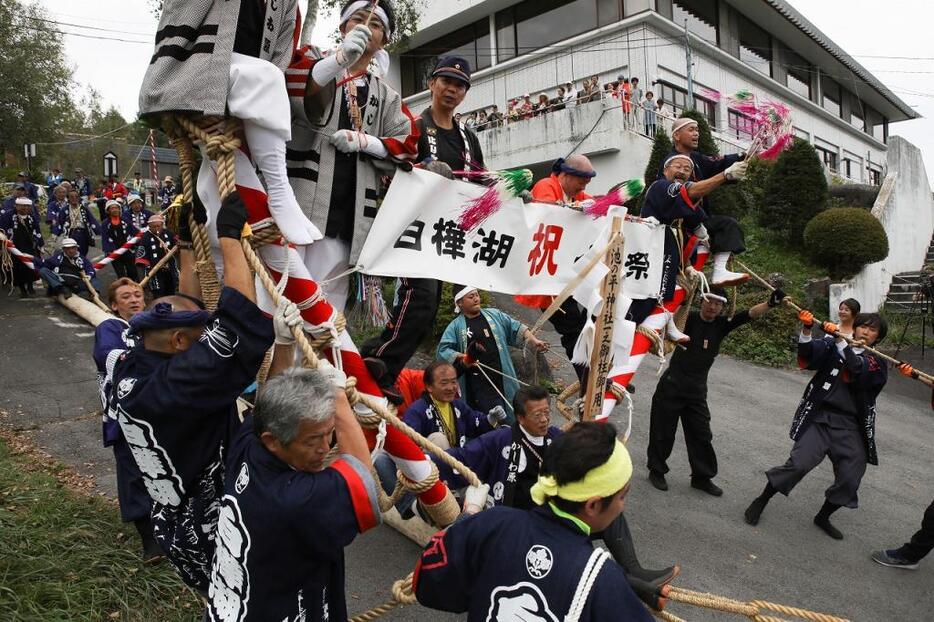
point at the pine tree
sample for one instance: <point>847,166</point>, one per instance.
<point>660,150</point>
<point>795,191</point>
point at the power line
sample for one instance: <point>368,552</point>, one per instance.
<point>75,34</point>
<point>113,30</point>
<point>90,138</point>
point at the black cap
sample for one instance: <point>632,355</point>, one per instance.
<point>456,67</point>
<point>19,186</point>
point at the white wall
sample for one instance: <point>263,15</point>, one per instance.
<point>906,210</point>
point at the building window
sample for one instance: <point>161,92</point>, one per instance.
<point>880,130</point>
<point>677,99</point>
<point>755,46</point>
<point>609,12</point>
<point>472,42</point>
<point>799,73</point>
<point>830,97</point>
<point>702,17</point>
<point>708,109</point>
<point>856,120</point>
<point>741,125</point>
<point>535,24</point>
<point>828,157</point>
<point>875,176</point>
<point>803,135</point>
<point>852,167</point>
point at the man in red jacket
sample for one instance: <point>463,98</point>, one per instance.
<point>567,181</point>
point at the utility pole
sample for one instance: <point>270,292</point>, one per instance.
<point>690,69</point>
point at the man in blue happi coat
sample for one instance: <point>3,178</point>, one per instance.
<point>175,393</point>
<point>65,271</point>
<point>513,565</point>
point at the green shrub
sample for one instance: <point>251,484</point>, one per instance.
<point>660,150</point>
<point>795,191</point>
<point>843,240</point>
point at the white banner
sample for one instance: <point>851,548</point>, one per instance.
<point>522,249</point>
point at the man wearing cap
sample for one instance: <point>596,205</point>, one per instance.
<point>32,190</point>
<point>725,237</point>
<point>82,183</point>
<point>477,342</point>
<point>21,227</point>
<point>136,212</point>
<point>77,222</point>
<point>155,244</point>
<point>167,192</point>
<point>116,232</point>
<point>9,205</point>
<point>138,185</point>
<point>53,179</point>
<point>442,140</point>
<point>681,393</point>
<point>349,128</point>
<point>511,564</point>
<point>174,394</point>
<point>62,272</point>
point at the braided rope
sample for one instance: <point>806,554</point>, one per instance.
<point>664,615</point>
<point>752,609</point>
<point>402,594</point>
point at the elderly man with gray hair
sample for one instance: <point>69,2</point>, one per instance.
<point>287,514</point>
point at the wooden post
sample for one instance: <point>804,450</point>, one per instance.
<point>601,355</point>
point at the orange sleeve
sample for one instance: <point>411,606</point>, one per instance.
<point>544,190</point>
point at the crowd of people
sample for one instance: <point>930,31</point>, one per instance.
<point>254,511</point>
<point>642,111</point>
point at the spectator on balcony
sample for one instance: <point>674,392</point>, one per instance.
<point>624,89</point>
<point>543,105</point>
<point>609,90</point>
<point>471,121</point>
<point>570,95</point>
<point>482,121</point>
<point>595,93</point>
<point>583,96</point>
<point>637,96</point>
<point>558,102</point>
<point>512,111</point>
<point>526,108</point>
<point>495,116</point>
<point>649,114</point>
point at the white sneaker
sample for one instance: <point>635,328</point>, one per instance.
<point>672,332</point>
<point>725,278</point>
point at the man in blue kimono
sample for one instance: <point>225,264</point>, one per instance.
<point>287,514</point>
<point>155,244</point>
<point>476,342</point>
<point>9,204</point>
<point>175,394</point>
<point>111,339</point>
<point>82,183</point>
<point>442,418</point>
<point>76,221</point>
<point>136,212</point>
<point>508,564</point>
<point>836,416</point>
<point>65,271</point>
<point>117,231</point>
<point>58,202</point>
<point>21,227</point>
<point>32,190</point>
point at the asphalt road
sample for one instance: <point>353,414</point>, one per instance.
<point>48,389</point>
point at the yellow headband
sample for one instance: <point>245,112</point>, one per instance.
<point>602,481</point>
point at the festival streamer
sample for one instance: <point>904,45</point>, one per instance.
<point>618,195</point>
<point>711,94</point>
<point>771,120</point>
<point>507,185</point>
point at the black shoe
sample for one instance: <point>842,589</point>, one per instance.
<point>656,578</point>
<point>381,376</point>
<point>893,559</point>
<point>828,528</point>
<point>658,480</point>
<point>707,486</point>
<point>754,511</point>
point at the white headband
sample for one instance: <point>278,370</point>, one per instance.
<point>681,122</point>
<point>23,201</point>
<point>675,157</point>
<point>710,296</point>
<point>364,4</point>
<point>463,292</point>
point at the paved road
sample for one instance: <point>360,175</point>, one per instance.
<point>48,388</point>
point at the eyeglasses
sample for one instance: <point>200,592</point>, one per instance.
<point>539,416</point>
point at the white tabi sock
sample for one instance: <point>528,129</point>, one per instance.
<point>720,259</point>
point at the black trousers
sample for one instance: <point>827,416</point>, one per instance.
<point>671,404</point>
<point>922,542</point>
<point>131,491</point>
<point>726,236</point>
<point>847,452</point>
<point>569,321</point>
<point>125,266</point>
<point>410,321</point>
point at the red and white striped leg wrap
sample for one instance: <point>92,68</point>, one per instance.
<point>318,314</point>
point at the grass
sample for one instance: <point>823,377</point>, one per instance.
<point>67,556</point>
<point>770,340</point>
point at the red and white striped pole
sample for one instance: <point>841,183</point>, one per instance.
<point>122,250</point>
<point>154,168</point>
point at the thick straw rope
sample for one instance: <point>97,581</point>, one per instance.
<point>752,609</point>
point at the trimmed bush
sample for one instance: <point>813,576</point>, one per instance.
<point>660,149</point>
<point>795,191</point>
<point>845,239</point>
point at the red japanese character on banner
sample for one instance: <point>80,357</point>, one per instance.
<point>546,239</point>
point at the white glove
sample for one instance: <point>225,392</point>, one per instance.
<point>496,416</point>
<point>348,141</point>
<point>337,377</point>
<point>701,233</point>
<point>475,498</point>
<point>286,317</point>
<point>736,171</point>
<point>354,45</point>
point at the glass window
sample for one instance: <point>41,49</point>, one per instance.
<point>472,42</point>
<point>755,46</point>
<point>875,176</point>
<point>880,131</point>
<point>828,157</point>
<point>608,11</point>
<point>544,22</point>
<point>830,101</point>
<point>505,35</point>
<point>799,73</point>
<point>673,96</point>
<point>803,135</point>
<point>708,109</point>
<point>856,120</point>
<point>741,125</point>
<point>701,15</point>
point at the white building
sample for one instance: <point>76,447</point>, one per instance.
<point>764,46</point>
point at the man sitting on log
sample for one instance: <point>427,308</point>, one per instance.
<point>175,393</point>
<point>65,271</point>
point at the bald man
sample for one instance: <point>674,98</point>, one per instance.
<point>567,182</point>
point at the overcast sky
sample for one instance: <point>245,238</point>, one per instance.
<point>871,32</point>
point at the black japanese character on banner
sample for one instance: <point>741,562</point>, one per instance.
<point>492,248</point>
<point>449,239</point>
<point>637,265</point>
<point>411,238</point>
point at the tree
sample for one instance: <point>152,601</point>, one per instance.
<point>660,150</point>
<point>35,80</point>
<point>795,191</point>
<point>845,239</point>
